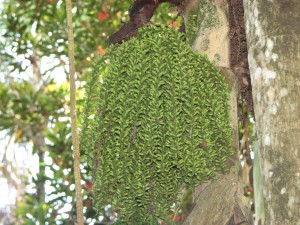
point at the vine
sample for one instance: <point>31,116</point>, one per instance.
<point>158,121</point>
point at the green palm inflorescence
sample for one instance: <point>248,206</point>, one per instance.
<point>159,119</point>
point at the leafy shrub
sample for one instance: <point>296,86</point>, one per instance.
<point>159,119</point>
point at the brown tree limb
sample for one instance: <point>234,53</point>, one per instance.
<point>140,14</point>
<point>75,136</point>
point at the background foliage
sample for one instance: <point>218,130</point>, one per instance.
<point>34,102</point>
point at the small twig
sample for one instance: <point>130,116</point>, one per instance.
<point>75,136</point>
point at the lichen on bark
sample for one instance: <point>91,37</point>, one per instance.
<point>273,37</point>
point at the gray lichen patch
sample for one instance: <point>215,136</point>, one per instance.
<point>212,37</point>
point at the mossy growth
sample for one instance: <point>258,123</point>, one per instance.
<point>158,120</point>
<point>202,17</point>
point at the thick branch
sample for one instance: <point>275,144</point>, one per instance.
<point>140,14</point>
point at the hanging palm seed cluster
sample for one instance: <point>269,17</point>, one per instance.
<point>159,120</point>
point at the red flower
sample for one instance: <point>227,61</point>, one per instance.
<point>174,24</point>
<point>176,218</point>
<point>101,50</point>
<point>103,15</point>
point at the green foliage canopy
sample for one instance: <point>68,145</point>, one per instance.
<point>159,120</point>
<point>31,30</point>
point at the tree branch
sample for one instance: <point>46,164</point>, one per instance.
<point>75,136</point>
<point>140,14</point>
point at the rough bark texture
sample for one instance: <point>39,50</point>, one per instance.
<point>213,30</point>
<point>273,37</point>
<point>239,54</point>
<point>221,201</point>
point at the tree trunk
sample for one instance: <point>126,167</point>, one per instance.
<point>273,37</point>
<point>39,144</point>
<point>221,201</point>
<point>37,136</point>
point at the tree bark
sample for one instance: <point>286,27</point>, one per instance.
<point>39,144</point>
<point>221,201</point>
<point>273,38</point>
